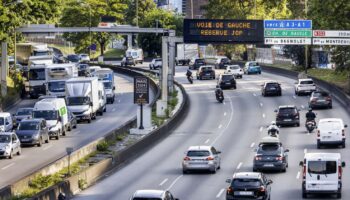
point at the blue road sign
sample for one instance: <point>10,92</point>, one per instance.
<point>288,24</point>
<point>93,47</point>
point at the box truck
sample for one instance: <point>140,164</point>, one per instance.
<point>136,54</point>
<point>186,52</point>
<point>56,76</point>
<point>106,75</point>
<point>31,51</point>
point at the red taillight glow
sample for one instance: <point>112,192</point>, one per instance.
<point>210,158</point>
<point>229,190</point>
<point>304,171</point>
<point>257,158</point>
<point>328,98</point>
<point>262,189</point>
<point>187,158</point>
<point>279,158</point>
<point>314,100</point>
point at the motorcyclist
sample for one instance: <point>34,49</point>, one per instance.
<point>310,116</point>
<point>188,73</point>
<point>273,128</point>
<point>218,92</point>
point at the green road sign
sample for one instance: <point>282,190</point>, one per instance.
<point>288,33</point>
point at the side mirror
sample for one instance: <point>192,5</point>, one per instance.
<point>345,126</point>
<point>269,182</point>
<point>113,87</point>
<point>343,164</point>
<point>301,163</point>
<point>287,150</point>
<point>275,111</point>
<point>255,150</point>
<point>7,123</point>
<point>91,104</point>
<point>228,180</point>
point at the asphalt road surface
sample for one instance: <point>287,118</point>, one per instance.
<point>33,158</point>
<point>235,128</point>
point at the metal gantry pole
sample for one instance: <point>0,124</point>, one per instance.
<point>165,67</point>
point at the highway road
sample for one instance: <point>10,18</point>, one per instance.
<point>235,128</point>
<point>33,158</point>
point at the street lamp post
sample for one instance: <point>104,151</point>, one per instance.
<point>306,46</point>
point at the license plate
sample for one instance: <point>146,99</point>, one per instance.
<point>321,101</point>
<point>25,140</point>
<point>227,83</point>
<point>245,193</point>
<point>287,120</point>
<point>326,137</point>
<point>268,165</point>
<point>208,74</point>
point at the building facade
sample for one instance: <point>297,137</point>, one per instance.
<point>192,8</point>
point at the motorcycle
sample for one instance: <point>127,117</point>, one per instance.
<point>310,125</point>
<point>273,133</point>
<point>220,98</point>
<point>190,79</point>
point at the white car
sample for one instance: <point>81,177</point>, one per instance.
<point>305,86</point>
<point>331,131</point>
<point>9,145</point>
<point>236,70</point>
<point>201,158</point>
<point>322,174</point>
<point>84,58</point>
<point>156,63</point>
<point>94,69</point>
<point>152,194</point>
<point>6,122</point>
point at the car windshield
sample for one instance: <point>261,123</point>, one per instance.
<point>41,53</point>
<point>287,110</point>
<point>272,85</point>
<point>28,126</point>
<point>57,86</point>
<point>226,77</point>
<point>199,61</point>
<point>2,121</point>
<point>330,126</point>
<point>46,114</point>
<point>82,67</point>
<point>198,153</point>
<point>246,183</point>
<point>108,85</point>
<point>234,67</point>
<point>253,64</point>
<point>129,58</point>
<point>320,94</point>
<point>36,74</point>
<point>145,198</point>
<point>225,60</point>
<point>76,101</point>
<point>73,58</point>
<point>158,60</point>
<point>322,167</point>
<point>5,139</point>
<point>306,82</point>
<point>269,148</point>
<point>24,111</point>
<point>207,69</point>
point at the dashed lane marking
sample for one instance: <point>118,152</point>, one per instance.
<point>239,165</point>
<point>173,183</point>
<point>206,142</point>
<point>252,145</point>
<point>7,166</point>
<point>298,175</point>
<point>47,147</point>
<point>220,193</point>
<point>163,182</point>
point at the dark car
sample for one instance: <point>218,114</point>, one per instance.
<point>198,63</point>
<point>271,88</point>
<point>248,185</point>
<point>33,132</point>
<point>205,72</point>
<point>287,115</point>
<point>73,58</point>
<point>83,70</point>
<point>270,155</point>
<point>227,81</point>
<point>127,61</point>
<point>72,121</point>
<point>22,113</point>
<point>320,99</point>
<point>222,63</point>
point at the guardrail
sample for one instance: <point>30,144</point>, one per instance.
<point>21,184</point>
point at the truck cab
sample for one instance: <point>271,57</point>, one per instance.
<point>56,76</point>
<point>106,75</point>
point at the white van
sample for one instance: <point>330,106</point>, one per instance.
<point>54,111</point>
<point>322,174</point>
<point>6,122</point>
<point>136,54</point>
<point>102,98</point>
<point>331,131</point>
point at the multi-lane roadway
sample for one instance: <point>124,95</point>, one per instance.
<point>33,158</point>
<point>235,128</point>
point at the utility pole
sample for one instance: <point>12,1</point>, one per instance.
<point>306,46</point>
<point>137,12</point>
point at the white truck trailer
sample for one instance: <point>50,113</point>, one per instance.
<point>56,76</point>
<point>32,51</point>
<point>186,52</point>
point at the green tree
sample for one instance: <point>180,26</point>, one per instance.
<point>143,6</point>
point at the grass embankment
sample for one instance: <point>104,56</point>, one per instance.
<point>65,49</point>
<point>114,53</point>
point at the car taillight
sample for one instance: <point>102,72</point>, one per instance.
<point>343,132</point>
<point>328,98</point>
<point>340,172</point>
<point>318,133</point>
<point>304,172</point>
<point>187,158</point>
<point>229,190</point>
<point>314,100</point>
<point>279,158</point>
<point>240,70</point>
<point>210,158</point>
<point>296,115</point>
<point>257,158</point>
<point>262,189</point>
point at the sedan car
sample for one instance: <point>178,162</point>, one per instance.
<point>320,99</point>
<point>248,185</point>
<point>156,63</point>
<point>222,62</point>
<point>236,70</point>
<point>271,88</point>
<point>252,68</point>
<point>198,62</point>
<point>205,72</point>
<point>270,155</point>
<point>127,61</point>
<point>72,121</point>
<point>287,115</point>
<point>74,58</point>
<point>227,81</point>
<point>22,113</point>
<point>84,58</point>
<point>152,195</point>
<point>9,145</point>
<point>201,158</point>
<point>33,132</point>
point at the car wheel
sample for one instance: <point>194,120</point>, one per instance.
<point>284,170</point>
<point>280,94</point>
<point>304,195</point>
<point>11,155</point>
<point>19,152</point>
<point>47,140</point>
<point>298,124</point>
<point>40,142</point>
<point>234,87</point>
<point>343,145</point>
<point>339,195</point>
<point>184,171</point>
<point>214,170</point>
<point>69,127</point>
<point>255,170</point>
<point>75,126</point>
<point>330,106</point>
<point>89,120</point>
<point>64,132</point>
<point>105,109</point>
<point>318,145</point>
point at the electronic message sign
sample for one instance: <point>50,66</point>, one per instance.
<point>223,31</point>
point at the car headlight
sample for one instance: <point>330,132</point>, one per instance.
<point>36,136</point>
<point>109,95</point>
<point>86,112</point>
<point>7,147</point>
<point>53,128</point>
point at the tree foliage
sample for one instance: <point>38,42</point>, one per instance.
<point>144,6</point>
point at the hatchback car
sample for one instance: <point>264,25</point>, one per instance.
<point>73,58</point>
<point>287,115</point>
<point>236,70</point>
<point>271,88</point>
<point>252,68</point>
<point>248,185</point>
<point>152,195</point>
<point>127,61</point>
<point>205,72</point>
<point>320,99</point>
<point>9,145</point>
<point>72,121</point>
<point>33,132</point>
<point>221,63</point>
<point>201,158</point>
<point>270,155</point>
<point>22,113</point>
<point>197,63</point>
<point>84,58</point>
<point>156,63</point>
<point>227,81</point>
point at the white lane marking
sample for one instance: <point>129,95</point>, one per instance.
<point>254,94</point>
<point>302,106</point>
<point>113,109</point>
<point>261,128</point>
<point>47,147</point>
<point>220,126</point>
<point>163,182</point>
<point>77,132</point>
<point>298,175</point>
<point>99,120</point>
<point>225,113</point>
<point>261,104</point>
<point>224,102</point>
<point>252,145</point>
<point>7,166</point>
<point>239,165</point>
<point>294,97</point>
<point>173,183</point>
<point>263,115</point>
<point>119,101</point>
<point>305,151</point>
<point>206,142</point>
<point>220,193</point>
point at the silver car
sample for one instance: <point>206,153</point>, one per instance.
<point>201,158</point>
<point>152,194</point>
<point>9,145</point>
